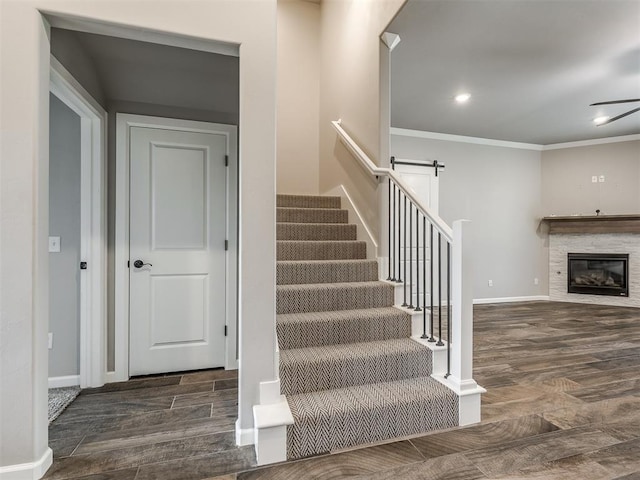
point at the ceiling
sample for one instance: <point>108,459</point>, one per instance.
<point>531,66</point>
<point>151,73</point>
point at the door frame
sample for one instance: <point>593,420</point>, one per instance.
<point>93,226</point>
<point>124,123</point>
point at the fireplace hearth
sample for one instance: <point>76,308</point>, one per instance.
<point>598,274</point>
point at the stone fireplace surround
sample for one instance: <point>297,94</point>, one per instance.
<point>601,234</point>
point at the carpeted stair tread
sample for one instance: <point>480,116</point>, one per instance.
<point>307,201</point>
<point>320,250</point>
<point>327,367</point>
<point>318,297</point>
<point>313,329</point>
<point>315,231</point>
<point>335,419</point>
<point>311,215</point>
<point>326,271</point>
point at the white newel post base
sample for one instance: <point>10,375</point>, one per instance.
<point>469,398</point>
<point>270,420</point>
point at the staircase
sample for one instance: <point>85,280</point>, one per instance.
<point>348,367</point>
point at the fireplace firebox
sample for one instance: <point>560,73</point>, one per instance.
<point>599,274</point>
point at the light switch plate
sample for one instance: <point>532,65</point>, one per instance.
<point>54,244</point>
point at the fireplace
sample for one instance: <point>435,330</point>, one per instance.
<point>599,274</point>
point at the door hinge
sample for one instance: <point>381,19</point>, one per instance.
<point>128,264</point>
<point>83,265</point>
<point>225,330</point>
<point>226,244</point>
<point>226,160</point>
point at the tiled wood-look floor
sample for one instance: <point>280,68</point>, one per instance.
<point>563,403</point>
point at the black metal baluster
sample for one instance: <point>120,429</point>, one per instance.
<point>410,254</point>
<point>418,309</point>
<point>432,339</point>
<point>448,310</point>
<point>398,242</point>
<point>389,277</point>
<point>440,343</point>
<point>404,250</point>
<point>424,277</point>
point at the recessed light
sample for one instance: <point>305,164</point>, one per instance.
<point>462,98</point>
<point>600,120</point>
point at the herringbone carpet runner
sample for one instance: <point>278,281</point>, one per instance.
<point>348,368</point>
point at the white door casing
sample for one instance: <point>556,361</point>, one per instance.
<point>174,215</point>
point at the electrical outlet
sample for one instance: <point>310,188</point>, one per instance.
<point>490,283</point>
<point>54,244</point>
<point>601,179</point>
<point>594,179</point>
<point>535,281</point>
<point>50,340</point>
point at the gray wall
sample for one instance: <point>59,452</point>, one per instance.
<point>64,221</point>
<point>498,189</point>
<point>567,188</point>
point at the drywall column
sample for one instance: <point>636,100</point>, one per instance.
<point>24,226</point>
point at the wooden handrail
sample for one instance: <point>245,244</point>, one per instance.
<point>374,170</point>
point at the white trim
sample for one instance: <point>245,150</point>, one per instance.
<point>67,381</point>
<point>588,143</point>
<point>93,222</point>
<point>362,229</point>
<point>28,471</point>
<point>403,132</point>
<point>531,298</point>
<point>81,24</point>
<point>124,123</point>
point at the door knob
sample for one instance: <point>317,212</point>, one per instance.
<point>140,264</point>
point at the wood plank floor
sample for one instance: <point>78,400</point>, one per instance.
<point>563,403</point>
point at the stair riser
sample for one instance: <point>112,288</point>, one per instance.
<point>309,215</point>
<point>329,299</point>
<point>288,273</point>
<point>311,231</point>
<point>314,376</point>
<point>307,201</point>
<point>344,330</point>
<point>330,250</point>
<point>326,432</point>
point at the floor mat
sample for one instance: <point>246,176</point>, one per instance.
<point>59,399</point>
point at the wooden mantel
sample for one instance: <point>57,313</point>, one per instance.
<point>594,224</point>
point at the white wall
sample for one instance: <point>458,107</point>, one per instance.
<point>64,222</point>
<point>567,188</point>
<point>24,75</point>
<point>350,81</point>
<point>298,97</point>
<point>498,189</point>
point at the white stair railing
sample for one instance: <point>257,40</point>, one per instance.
<point>448,275</point>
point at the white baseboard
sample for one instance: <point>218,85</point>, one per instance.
<point>28,471</point>
<point>364,232</point>
<point>533,298</point>
<point>112,377</point>
<point>67,381</point>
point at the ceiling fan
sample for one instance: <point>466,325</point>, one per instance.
<point>617,117</point>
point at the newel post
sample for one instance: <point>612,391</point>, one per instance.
<point>461,378</point>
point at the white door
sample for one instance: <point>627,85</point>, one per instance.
<point>177,231</point>
<point>423,182</point>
